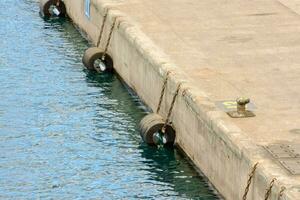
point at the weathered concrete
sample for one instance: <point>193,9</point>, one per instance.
<point>220,50</point>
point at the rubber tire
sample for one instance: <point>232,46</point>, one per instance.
<point>151,124</point>
<point>94,53</point>
<point>45,5</point>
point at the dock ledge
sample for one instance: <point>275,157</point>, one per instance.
<point>219,51</point>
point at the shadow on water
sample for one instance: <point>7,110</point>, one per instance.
<point>115,89</point>
<point>170,166</point>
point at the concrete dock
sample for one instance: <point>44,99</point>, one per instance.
<point>219,50</point>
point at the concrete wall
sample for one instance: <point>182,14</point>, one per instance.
<point>217,148</point>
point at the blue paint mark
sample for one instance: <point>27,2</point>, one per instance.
<point>87,8</point>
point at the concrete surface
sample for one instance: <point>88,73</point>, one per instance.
<point>221,50</point>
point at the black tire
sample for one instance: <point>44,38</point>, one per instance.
<point>45,5</point>
<point>153,123</point>
<point>92,54</point>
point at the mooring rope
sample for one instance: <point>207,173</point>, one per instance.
<point>269,189</point>
<point>171,108</point>
<point>162,92</point>
<point>281,192</point>
<point>251,175</point>
<point>109,39</point>
<point>102,28</point>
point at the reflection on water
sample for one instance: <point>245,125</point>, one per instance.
<point>66,133</point>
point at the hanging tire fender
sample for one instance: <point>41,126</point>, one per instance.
<point>153,123</point>
<point>92,54</point>
<point>45,6</point>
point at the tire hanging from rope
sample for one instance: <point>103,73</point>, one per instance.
<point>95,58</point>
<point>154,129</point>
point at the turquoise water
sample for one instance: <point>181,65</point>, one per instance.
<point>66,133</point>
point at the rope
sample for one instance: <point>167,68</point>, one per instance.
<point>102,29</point>
<point>269,189</point>
<point>251,174</point>
<point>108,40</point>
<point>281,192</point>
<point>171,109</point>
<point>162,92</point>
